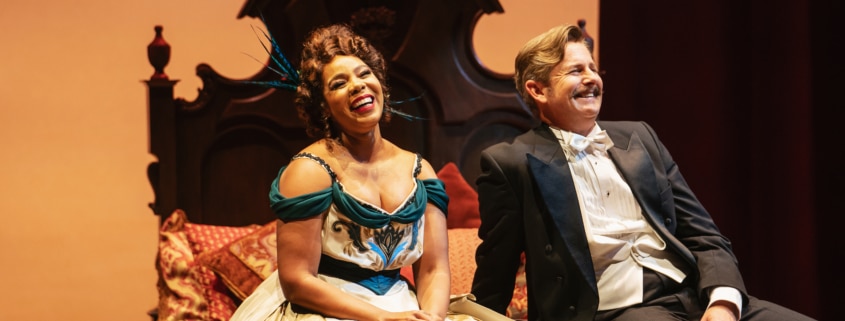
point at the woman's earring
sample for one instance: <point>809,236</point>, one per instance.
<point>327,127</point>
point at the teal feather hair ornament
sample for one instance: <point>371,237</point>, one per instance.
<point>289,77</point>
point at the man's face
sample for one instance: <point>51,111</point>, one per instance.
<point>572,98</point>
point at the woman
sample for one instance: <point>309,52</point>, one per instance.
<point>353,207</point>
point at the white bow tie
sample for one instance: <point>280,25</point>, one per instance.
<point>595,142</point>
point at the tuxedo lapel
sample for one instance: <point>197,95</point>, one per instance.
<point>550,170</point>
<point>634,163</point>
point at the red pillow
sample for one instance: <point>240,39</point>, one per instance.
<point>463,199</point>
<point>243,264</point>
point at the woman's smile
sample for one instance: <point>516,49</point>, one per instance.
<point>363,104</point>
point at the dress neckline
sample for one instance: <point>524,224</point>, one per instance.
<point>407,200</point>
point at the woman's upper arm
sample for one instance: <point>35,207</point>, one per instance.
<point>298,248</point>
<point>435,219</point>
<point>299,241</point>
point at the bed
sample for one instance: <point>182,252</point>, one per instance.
<point>217,154</point>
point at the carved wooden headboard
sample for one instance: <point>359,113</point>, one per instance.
<point>216,155</point>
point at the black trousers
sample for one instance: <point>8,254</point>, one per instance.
<point>665,299</point>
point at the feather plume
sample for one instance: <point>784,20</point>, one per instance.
<point>289,76</point>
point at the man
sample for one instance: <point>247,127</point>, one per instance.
<point>609,227</point>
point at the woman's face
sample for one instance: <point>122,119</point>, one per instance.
<point>572,99</point>
<point>353,94</point>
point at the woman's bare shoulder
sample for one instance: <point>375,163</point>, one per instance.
<point>426,171</point>
<point>308,173</point>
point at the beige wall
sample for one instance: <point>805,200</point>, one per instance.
<point>499,36</point>
<point>78,241</point>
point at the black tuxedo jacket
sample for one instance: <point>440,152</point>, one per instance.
<point>528,203</point>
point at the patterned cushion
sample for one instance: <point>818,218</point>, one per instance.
<point>206,238</point>
<point>188,290</point>
<point>462,244</point>
<point>518,309</point>
<point>244,263</point>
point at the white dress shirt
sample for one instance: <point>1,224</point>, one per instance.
<point>620,239</point>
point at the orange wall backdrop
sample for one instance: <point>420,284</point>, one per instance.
<point>78,240</point>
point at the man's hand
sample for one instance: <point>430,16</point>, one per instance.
<point>721,311</point>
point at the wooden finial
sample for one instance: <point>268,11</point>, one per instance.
<point>158,52</point>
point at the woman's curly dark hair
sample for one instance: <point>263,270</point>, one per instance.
<point>320,47</point>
